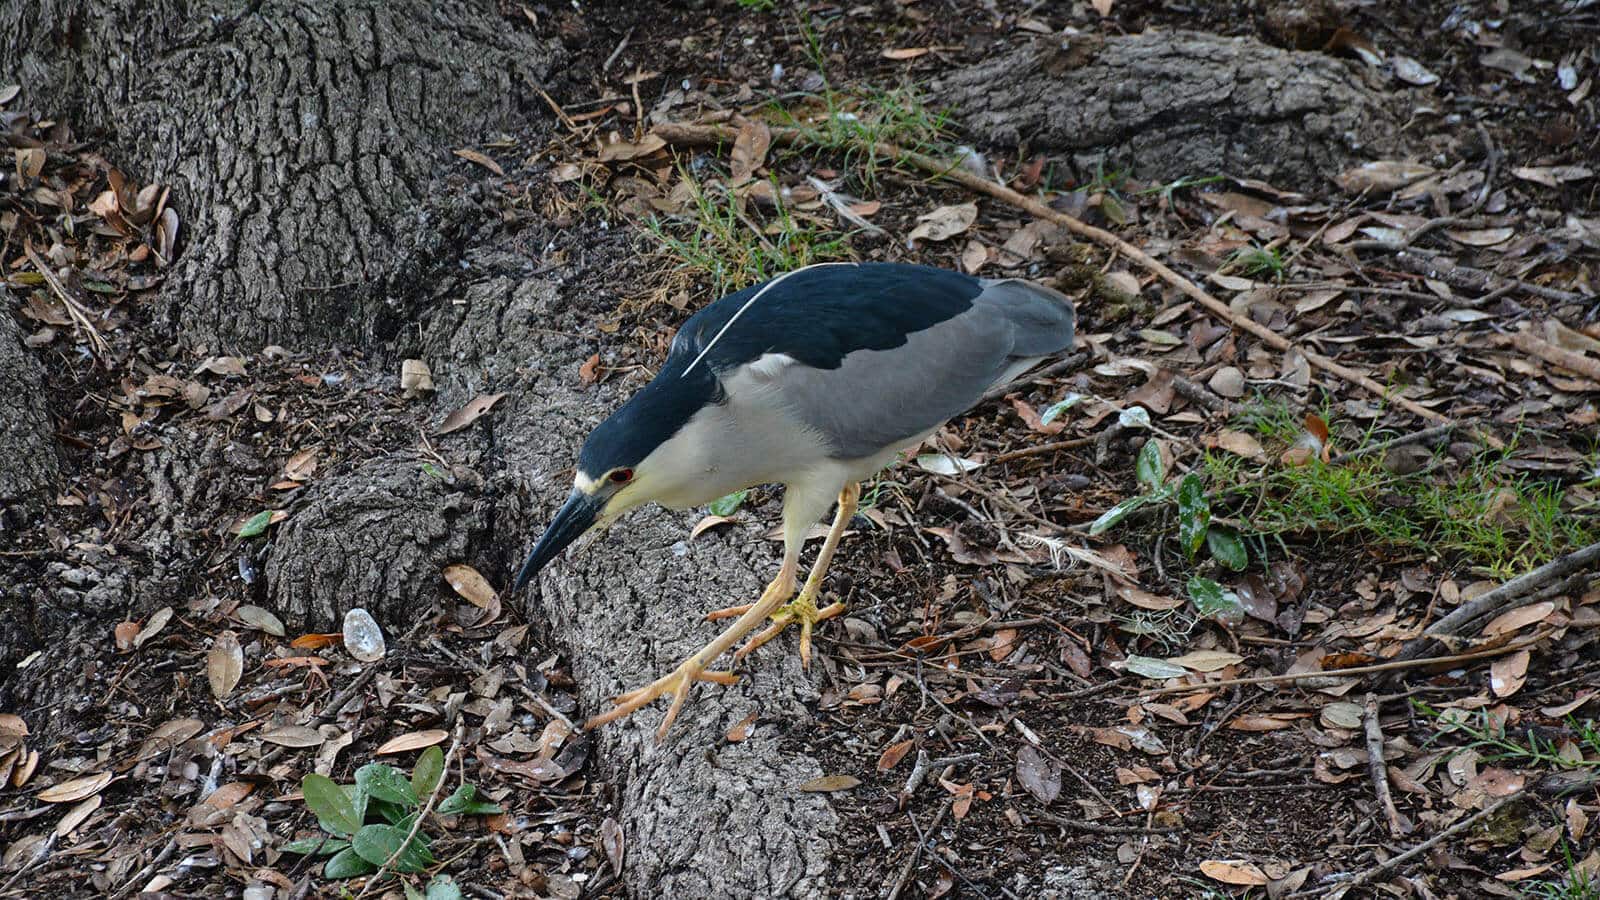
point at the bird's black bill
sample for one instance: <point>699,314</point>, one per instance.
<point>577,515</point>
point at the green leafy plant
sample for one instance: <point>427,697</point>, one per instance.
<point>1195,526</point>
<point>356,844</point>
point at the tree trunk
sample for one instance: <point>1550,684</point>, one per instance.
<point>1166,105</point>
<point>27,437</point>
<point>304,143</point>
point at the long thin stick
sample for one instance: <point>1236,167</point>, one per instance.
<point>1560,567</point>
<point>1390,865</point>
<point>699,135</point>
<point>1354,670</point>
<point>1379,770</point>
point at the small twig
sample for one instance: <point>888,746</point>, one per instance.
<point>1463,217</point>
<point>1042,449</point>
<point>1350,672</point>
<point>1586,366</point>
<point>1444,269</point>
<point>1577,561</point>
<point>144,873</point>
<point>79,315</point>
<point>416,823</point>
<point>1065,364</point>
<point>1379,770</point>
<point>1425,436</point>
<point>916,851</point>
<point>1096,828</point>
<point>39,856</point>
<point>521,688</point>
<point>1384,868</point>
<point>621,46</point>
<point>1198,393</point>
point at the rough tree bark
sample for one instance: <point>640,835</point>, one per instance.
<point>1170,104</point>
<point>699,823</point>
<point>28,464</point>
<point>301,140</point>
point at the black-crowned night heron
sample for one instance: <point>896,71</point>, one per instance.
<point>813,380</point>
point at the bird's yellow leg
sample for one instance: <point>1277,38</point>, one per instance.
<point>803,609</point>
<point>693,669</point>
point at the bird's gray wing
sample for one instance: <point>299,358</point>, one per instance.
<point>877,399</point>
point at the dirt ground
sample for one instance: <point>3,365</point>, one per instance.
<point>1011,707</point>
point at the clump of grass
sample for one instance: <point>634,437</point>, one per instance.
<point>851,122</point>
<point>1505,523</point>
<point>1487,735</point>
<point>1574,884</point>
<point>717,239</point>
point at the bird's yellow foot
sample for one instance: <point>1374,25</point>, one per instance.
<point>676,683</point>
<point>802,609</point>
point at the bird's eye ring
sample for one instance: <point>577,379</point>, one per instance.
<point>621,476</point>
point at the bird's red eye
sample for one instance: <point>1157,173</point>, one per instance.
<point>621,476</point>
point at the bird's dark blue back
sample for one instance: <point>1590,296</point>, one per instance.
<point>820,315</point>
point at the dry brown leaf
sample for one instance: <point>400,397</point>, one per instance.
<point>1236,442</point>
<point>25,769</point>
<point>707,523</point>
<point>414,740</point>
<point>168,735</point>
<point>77,815</point>
<point>471,412</point>
<point>973,257</point>
<point>944,222</point>
<point>1565,709</point>
<point>470,584</point>
<point>1552,176</point>
<point>474,156</point>
<point>1508,673</point>
<point>301,465</point>
<point>124,634</point>
<point>260,619</point>
<point>589,372</point>
<point>892,754</point>
<point>1146,600</point>
<point>317,641</point>
<point>1038,774</point>
<point>1002,643</point>
<point>1206,660</point>
<point>297,736</point>
<point>1381,176</point>
<point>749,151</point>
<point>152,627</point>
<point>226,366</point>
<point>611,840</point>
<point>1250,722</point>
<point>622,151</point>
<point>903,53</point>
<point>76,789</point>
<point>829,783</point>
<point>1481,237</point>
<point>741,730</point>
<point>1517,619</point>
<point>1237,872</point>
<point>224,664</point>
